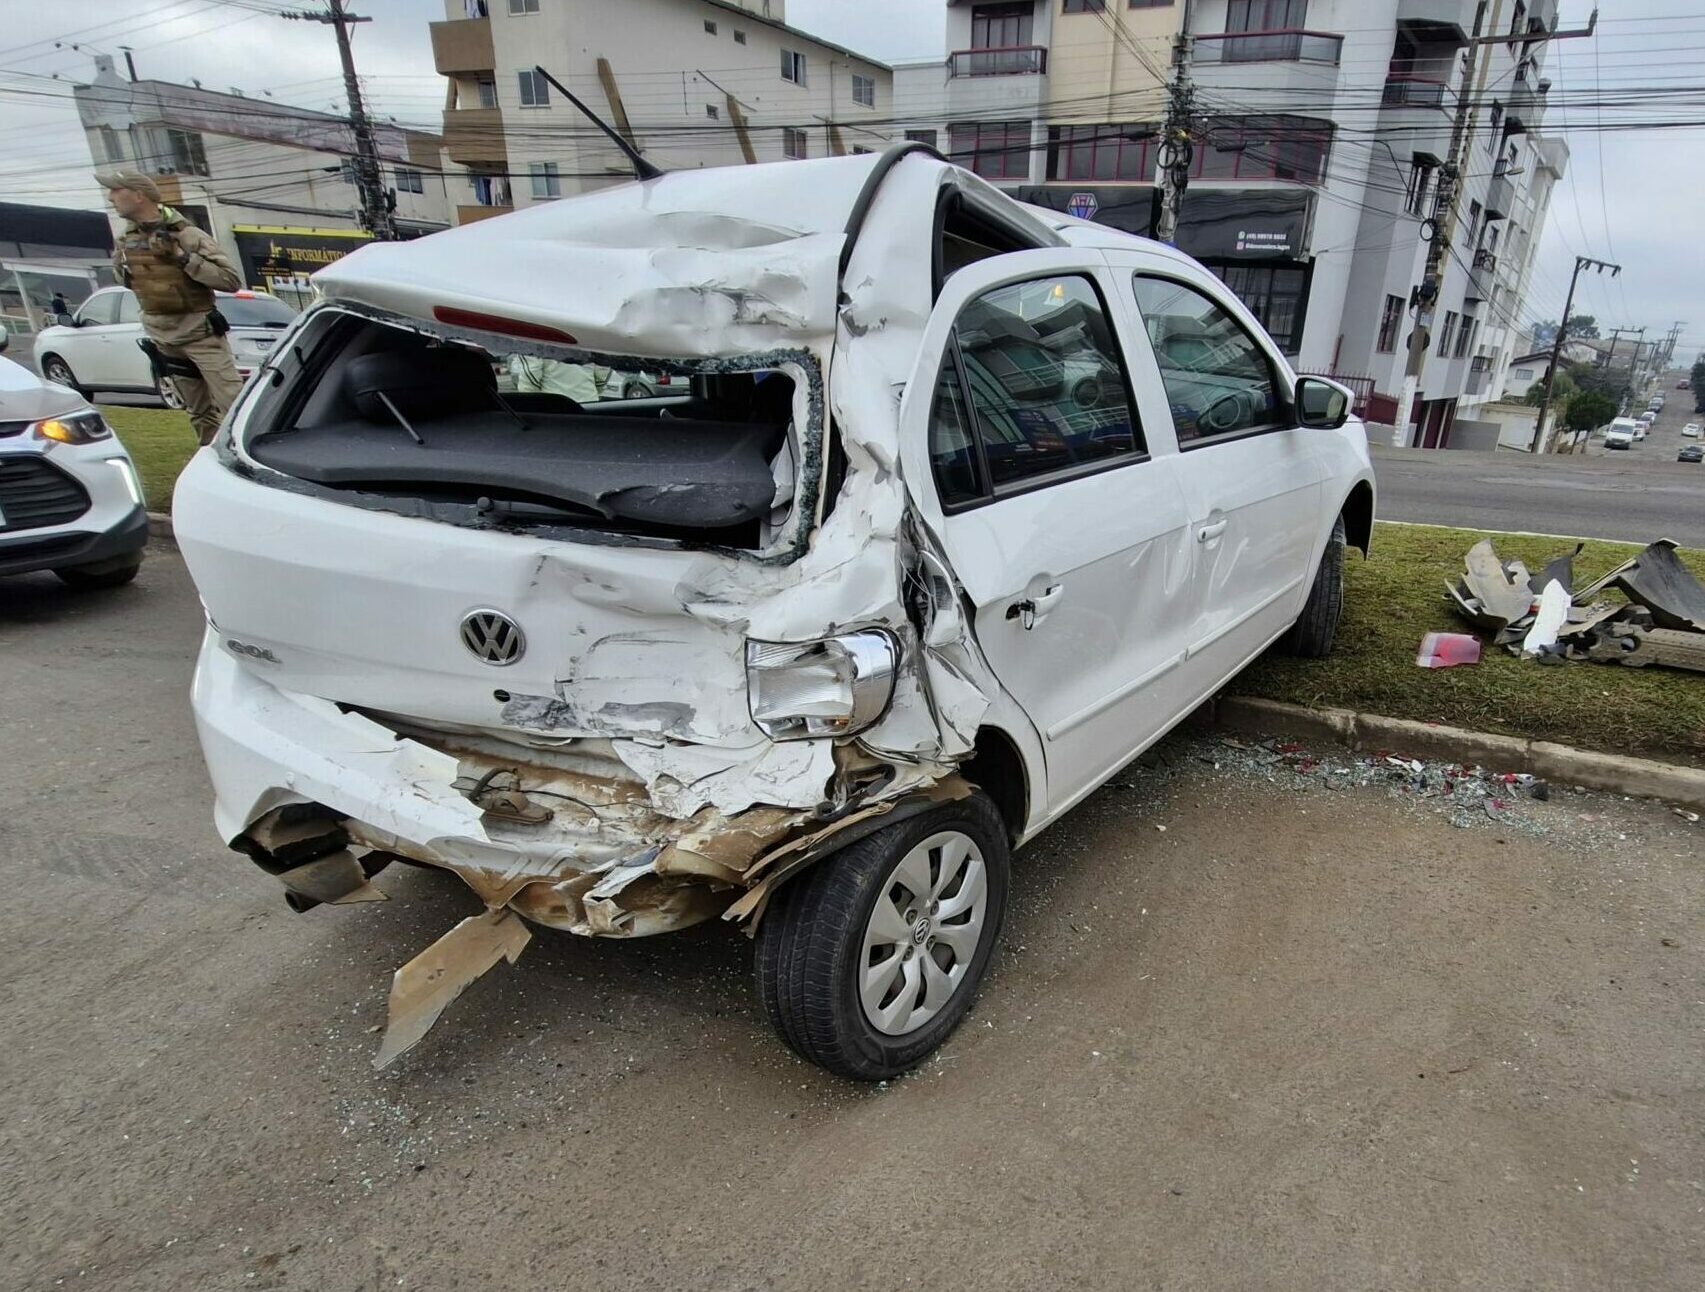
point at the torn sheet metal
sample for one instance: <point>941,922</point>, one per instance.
<point>337,879</point>
<point>1659,581</point>
<point>1500,588</point>
<point>423,988</point>
<point>683,779</point>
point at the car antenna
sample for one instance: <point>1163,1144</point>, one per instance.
<point>642,169</point>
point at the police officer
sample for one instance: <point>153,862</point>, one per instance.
<point>174,268</point>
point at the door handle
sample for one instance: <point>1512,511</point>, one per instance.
<point>1032,610</point>
<point>1209,532</point>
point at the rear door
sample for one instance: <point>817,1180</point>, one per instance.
<point>1253,479</point>
<point>1060,512</point>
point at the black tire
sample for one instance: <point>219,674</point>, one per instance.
<point>168,393</point>
<point>811,945</point>
<point>56,370</point>
<point>635,391</point>
<point>102,578</point>
<point>1313,633</point>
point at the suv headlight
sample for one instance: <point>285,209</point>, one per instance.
<point>74,428</point>
<point>833,687</point>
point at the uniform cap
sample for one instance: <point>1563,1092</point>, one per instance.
<point>134,180</point>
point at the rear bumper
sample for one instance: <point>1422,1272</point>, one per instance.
<point>62,548</point>
<point>606,863</point>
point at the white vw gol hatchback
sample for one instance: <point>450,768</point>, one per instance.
<point>953,508</point>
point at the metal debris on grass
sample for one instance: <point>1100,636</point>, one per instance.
<point>1662,622</point>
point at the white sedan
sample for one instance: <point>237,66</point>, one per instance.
<point>1691,430</point>
<point>99,349</point>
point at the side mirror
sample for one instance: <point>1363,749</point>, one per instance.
<point>1322,404</point>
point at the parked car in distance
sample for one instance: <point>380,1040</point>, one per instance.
<point>643,385</point>
<point>963,506</point>
<point>1691,430</point>
<point>1691,453</point>
<point>1683,384</point>
<point>70,500</point>
<point>99,351</point>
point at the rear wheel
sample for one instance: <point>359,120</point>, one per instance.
<point>167,389</point>
<point>868,962</point>
<point>105,575</point>
<point>1314,632</point>
<point>56,370</point>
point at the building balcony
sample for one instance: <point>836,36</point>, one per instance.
<point>462,46</point>
<point>1449,22</point>
<point>1408,90</point>
<point>1479,377</point>
<point>473,136</point>
<point>1500,195</point>
<point>1006,60</point>
<point>1288,46</point>
<point>1482,276</point>
<point>1526,107</point>
<point>470,214</point>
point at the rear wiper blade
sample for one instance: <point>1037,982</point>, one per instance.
<point>536,512</point>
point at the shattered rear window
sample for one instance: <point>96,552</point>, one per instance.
<point>689,451</point>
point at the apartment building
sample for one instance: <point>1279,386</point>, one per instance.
<point>274,184</point>
<point>688,82</point>
<point>1324,127</point>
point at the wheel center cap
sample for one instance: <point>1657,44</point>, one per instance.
<point>920,931</point>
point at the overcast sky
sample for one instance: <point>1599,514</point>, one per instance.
<point>1637,200</point>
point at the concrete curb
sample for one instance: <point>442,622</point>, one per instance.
<point>1618,773</point>
<point>160,528</point>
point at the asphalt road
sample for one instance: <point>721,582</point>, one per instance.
<point>1332,1039</point>
<point>1635,495</point>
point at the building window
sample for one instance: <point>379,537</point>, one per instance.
<point>523,6</point>
<point>1389,321</point>
<point>1149,4</point>
<point>739,36</point>
<point>1495,120</point>
<point>189,156</point>
<point>1266,15</point>
<point>921,137</point>
<point>709,27</point>
<point>1474,209</point>
<point>1002,26</point>
<point>1084,6</point>
<point>535,90</point>
<point>793,67</point>
<point>489,189</point>
<point>1517,19</point>
<point>1265,147</point>
<point>1274,295</point>
<point>545,180</point>
<point>487,92</point>
<point>410,180</point>
<point>346,170</point>
<point>1420,185</point>
<point>1466,337</point>
<point>795,143</point>
<point>1101,152</point>
<point>992,149</point>
<point>110,146</point>
<point>711,112</point>
<point>864,90</point>
<point>1447,334</point>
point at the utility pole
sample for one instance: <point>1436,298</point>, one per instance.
<point>1177,140</point>
<point>1581,262</point>
<point>376,203</point>
<point>1669,345</point>
<point>1451,176</point>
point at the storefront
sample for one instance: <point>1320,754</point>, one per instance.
<point>1254,239</point>
<point>279,259</point>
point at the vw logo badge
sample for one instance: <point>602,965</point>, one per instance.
<point>493,637</point>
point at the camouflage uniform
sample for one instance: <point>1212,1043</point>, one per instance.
<point>174,268</point>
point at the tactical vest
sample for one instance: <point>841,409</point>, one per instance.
<point>159,281</point>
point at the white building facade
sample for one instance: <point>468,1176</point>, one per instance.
<point>687,82</point>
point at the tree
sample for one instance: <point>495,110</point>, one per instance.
<point>1698,381</point>
<point>1583,327</point>
<point>1536,393</point>
<point>1589,410</point>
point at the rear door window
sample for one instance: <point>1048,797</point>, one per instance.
<point>1218,379</point>
<point>100,309</point>
<point>1045,386</point>
<point>129,308</point>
